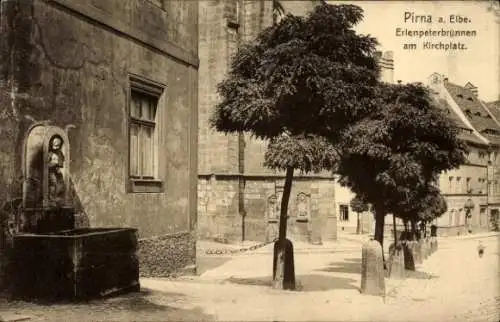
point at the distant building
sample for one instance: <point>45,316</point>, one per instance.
<point>125,74</point>
<point>476,183</point>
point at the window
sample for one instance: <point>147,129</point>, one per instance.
<point>450,184</point>
<point>458,185</point>
<point>143,136</point>
<point>344,212</point>
<point>467,186</point>
<point>458,217</point>
<point>482,214</point>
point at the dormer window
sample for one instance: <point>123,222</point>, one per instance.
<point>470,99</point>
<point>477,114</point>
<point>460,95</point>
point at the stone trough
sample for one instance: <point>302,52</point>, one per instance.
<point>75,264</point>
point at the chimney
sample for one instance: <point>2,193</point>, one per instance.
<point>471,88</point>
<point>386,62</point>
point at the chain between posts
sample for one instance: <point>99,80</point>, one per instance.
<point>239,250</point>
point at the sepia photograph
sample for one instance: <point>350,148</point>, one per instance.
<point>249,160</point>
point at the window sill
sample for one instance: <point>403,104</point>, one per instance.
<point>302,220</point>
<point>145,186</point>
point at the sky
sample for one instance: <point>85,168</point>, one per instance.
<point>478,64</point>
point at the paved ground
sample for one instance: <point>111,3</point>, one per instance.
<point>454,284</point>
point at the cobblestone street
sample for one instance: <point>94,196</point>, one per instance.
<point>453,284</point>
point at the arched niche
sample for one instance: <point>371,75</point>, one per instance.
<point>35,164</point>
<point>272,208</point>
<point>303,202</point>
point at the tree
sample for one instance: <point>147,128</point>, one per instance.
<point>398,149</point>
<point>424,204</point>
<point>299,85</point>
<point>358,205</point>
<point>433,206</point>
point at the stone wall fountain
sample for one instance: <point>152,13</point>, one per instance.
<point>48,257</point>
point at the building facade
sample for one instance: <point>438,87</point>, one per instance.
<point>124,74</point>
<point>473,190</point>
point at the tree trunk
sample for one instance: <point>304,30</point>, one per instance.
<point>281,281</point>
<point>413,230</point>
<point>379,230</point>
<point>395,231</point>
<point>358,225</point>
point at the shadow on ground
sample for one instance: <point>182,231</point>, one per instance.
<point>420,275</point>
<point>206,263</point>
<point>145,305</point>
<point>305,283</point>
<point>353,266</point>
<point>350,266</point>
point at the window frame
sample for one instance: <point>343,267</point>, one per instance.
<point>341,217</point>
<point>146,87</point>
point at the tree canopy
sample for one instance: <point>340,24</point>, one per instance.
<point>311,74</point>
<point>424,204</point>
<point>400,148</point>
<point>358,204</point>
<point>392,156</point>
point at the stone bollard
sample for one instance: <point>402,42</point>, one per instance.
<point>434,244</point>
<point>425,252</point>
<point>409,255</point>
<point>286,275</point>
<point>418,252</point>
<point>372,269</point>
<point>396,262</point>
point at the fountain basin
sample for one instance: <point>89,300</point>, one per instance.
<point>75,264</point>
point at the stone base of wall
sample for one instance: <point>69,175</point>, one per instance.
<point>222,202</point>
<point>168,255</point>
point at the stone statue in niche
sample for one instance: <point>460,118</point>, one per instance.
<point>272,209</point>
<point>303,209</point>
<point>55,178</point>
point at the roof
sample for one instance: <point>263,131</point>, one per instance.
<point>472,108</point>
<point>465,133</point>
<point>494,108</point>
<point>454,117</point>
